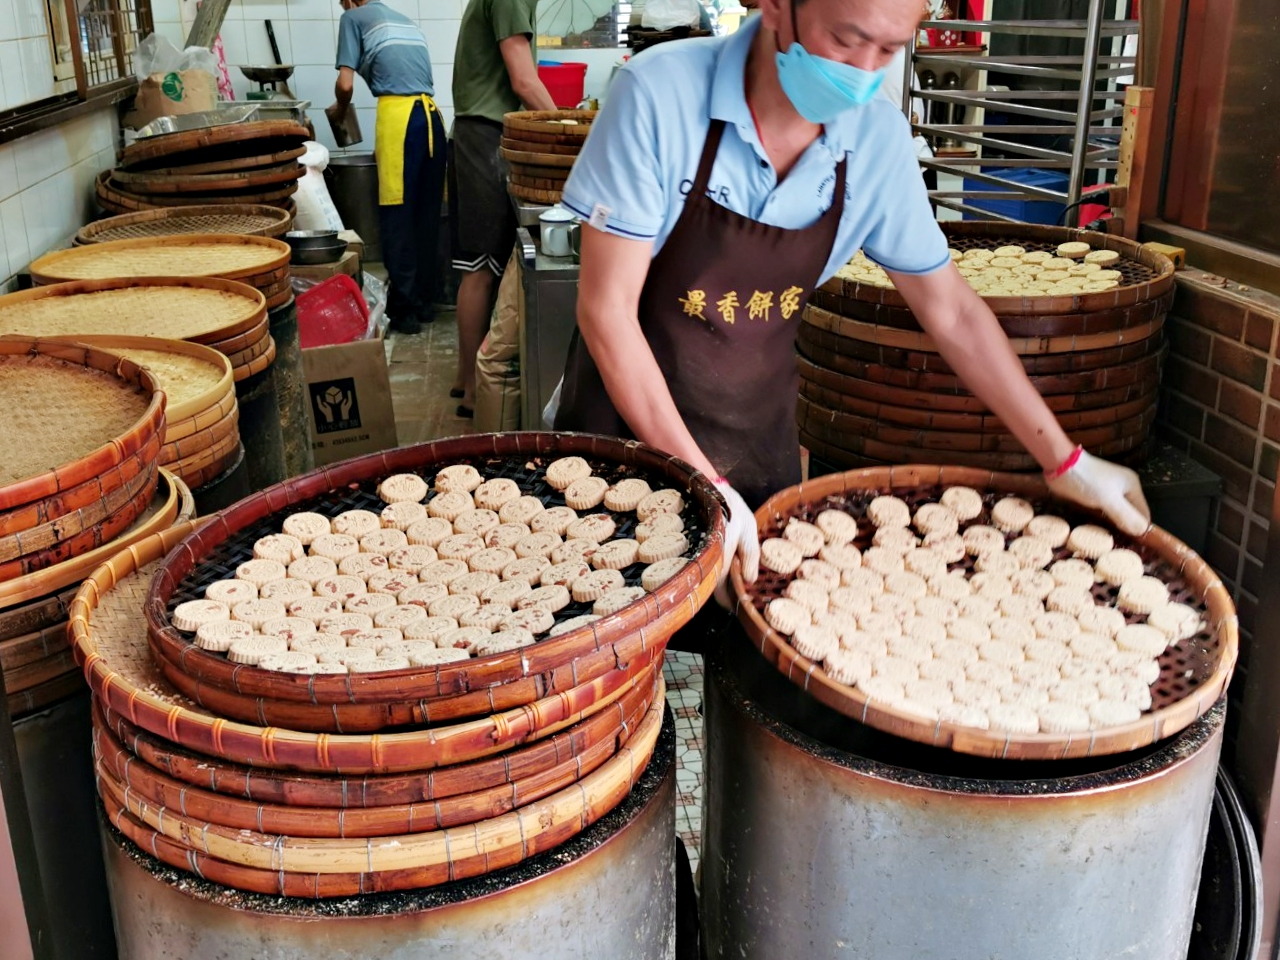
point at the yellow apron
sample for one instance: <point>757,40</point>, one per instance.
<point>388,143</point>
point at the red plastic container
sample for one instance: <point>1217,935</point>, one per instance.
<point>564,81</point>
<point>333,311</point>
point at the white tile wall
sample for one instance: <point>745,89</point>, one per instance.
<point>46,186</point>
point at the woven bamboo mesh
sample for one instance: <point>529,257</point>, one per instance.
<point>230,256</point>
<point>245,219</point>
<point>875,390</point>
<point>1193,673</point>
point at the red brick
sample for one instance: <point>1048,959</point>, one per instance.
<point>1240,403</point>
<point>1230,521</point>
<point>1259,330</point>
<point>1183,414</point>
<point>1247,608</point>
<point>1222,315</point>
<point>1236,480</point>
<point>1223,556</point>
<point>1271,423</point>
<point>1257,546</point>
<point>1240,364</point>
<point>1188,341</point>
<point>1275,382</point>
<point>1197,383</point>
<point>1175,438</point>
<point>1268,462</point>
<point>1252,580</point>
<point>1264,495</point>
<point>1237,443</point>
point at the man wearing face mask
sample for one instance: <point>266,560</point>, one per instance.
<point>723,181</point>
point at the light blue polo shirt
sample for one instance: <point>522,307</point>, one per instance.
<point>387,49</point>
<point>642,155</point>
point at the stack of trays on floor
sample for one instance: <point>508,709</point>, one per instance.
<point>254,163</point>
<point>80,479</point>
<point>540,147</point>
<point>874,389</point>
<point>325,732</point>
<point>254,220</point>
<point>228,316</point>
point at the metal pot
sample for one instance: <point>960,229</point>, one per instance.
<point>353,184</point>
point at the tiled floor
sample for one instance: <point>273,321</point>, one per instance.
<point>421,372</point>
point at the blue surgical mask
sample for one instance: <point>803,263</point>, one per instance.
<point>822,89</point>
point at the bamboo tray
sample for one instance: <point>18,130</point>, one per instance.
<point>38,593</point>
<point>312,867</point>
<point>1193,675</point>
<point>556,662</point>
<point>195,443</point>
<point>200,309</point>
<point>127,681</point>
<point>44,694</point>
<point>255,260</point>
<point>533,146</point>
<point>257,363</point>
<point>76,392</point>
<point>538,125</point>
<point>189,142</point>
<point>114,198</point>
<point>246,219</point>
<point>231,163</point>
<point>534,196</point>
<point>33,647</point>
<point>519,157</point>
<point>178,180</point>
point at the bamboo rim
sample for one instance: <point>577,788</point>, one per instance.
<point>275,253</point>
<point>278,300</point>
<point>539,121</point>
<point>176,144</point>
<point>910,340</point>
<point>534,196</point>
<point>40,614</point>
<point>41,486</point>
<point>534,146</point>
<point>196,443</point>
<point>111,196</point>
<point>33,647</point>
<point>537,159</point>
<point>203,455</point>
<point>176,505</point>
<point>319,790</point>
<point>1154,726</point>
<point>197,479</point>
<point>178,180</point>
<point>243,339</point>
<point>44,694</point>
<point>225,406</point>
<point>652,618</point>
<point>39,672</point>
<point>278,220</point>
<point>257,364</point>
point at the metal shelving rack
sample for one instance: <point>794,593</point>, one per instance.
<point>1091,114</point>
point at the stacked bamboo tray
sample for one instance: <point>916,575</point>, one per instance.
<point>874,390</point>
<point>256,220</point>
<point>242,163</point>
<point>228,316</point>
<point>494,759</point>
<point>540,148</point>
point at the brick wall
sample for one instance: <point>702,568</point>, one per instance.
<point>1221,404</point>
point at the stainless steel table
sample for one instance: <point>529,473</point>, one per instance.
<point>548,316</point>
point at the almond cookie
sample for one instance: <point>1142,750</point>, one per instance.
<point>487,615</point>
<point>371,604</point>
<point>1118,567</point>
<point>880,625</point>
<point>442,571</point>
<point>396,582</point>
<point>565,573</point>
<point>306,526</point>
<point>1177,621</point>
<point>594,585</point>
<point>898,540</point>
<point>356,523</point>
<point>562,472</point>
<point>868,581</point>
<point>786,615</point>
<point>964,502</point>
<point>659,502</point>
<point>288,662</point>
<point>948,671</point>
<point>820,572</point>
<point>778,555</point>
<point>459,477</point>
<point>950,547</point>
<point>1131,688</point>
<point>882,690</point>
<point>1021,607</point>
<point>1013,718</point>
<point>528,569</point>
<point>619,554</point>
<point>1001,564</point>
<point>508,592</point>
<point>1113,713</point>
<point>1011,514</point>
<point>1056,626</point>
<point>847,666</point>
<point>896,606</point>
<point>837,526</point>
<point>312,569</point>
<point>967,633</point>
<point>218,637</point>
<point>193,614</point>
<point>1069,600</point>
<point>379,665</point>
<point>506,536</point>
<point>951,586</point>
<point>403,487</point>
<point>935,518</point>
<point>402,515</point>
<point>453,606</point>
<point>1072,572</point>
<point>894,668</point>
<point>478,522</point>
<point>1092,646</point>
<point>250,650</point>
<point>656,574</point>
<point>494,494</point>
<point>537,545</point>
<point>504,641</point>
<point>429,630</point>
<point>1142,595</point>
<point>883,561</point>
<point>662,523</point>
<point>814,642</point>
<point>491,559</point>
<point>279,547</point>
<point>429,532</point>
<point>475,583</point>
<point>230,592</point>
<point>1143,639</point>
<point>1089,541</point>
<point>905,584</point>
<point>261,572</point>
<point>553,520</point>
<point>994,676</point>
<point>663,547</point>
<point>809,595</point>
<point>520,510</point>
<point>1104,258</point>
<point>554,597</point>
<point>1032,583</point>
<point>399,617</point>
<point>537,620</point>
<point>586,493</point>
<point>341,587</point>
<point>923,631</point>
<point>597,526</point>
<point>979,540</point>
<point>886,511</point>
<point>574,623</point>
<point>345,624</point>
<point>1059,717</point>
<point>411,559</point>
<point>809,538</point>
<point>842,556</point>
<point>1044,657</point>
<point>257,612</point>
<point>365,565</point>
<point>1074,250</point>
<point>993,586</point>
<point>334,546</point>
<point>286,590</point>
<point>1106,621</point>
<point>460,546</point>
<point>450,506</point>
<point>1032,553</point>
<point>436,657</point>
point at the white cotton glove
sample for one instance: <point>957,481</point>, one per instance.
<point>740,538</point>
<point>1108,487</point>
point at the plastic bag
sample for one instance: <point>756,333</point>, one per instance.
<point>668,14</point>
<point>552,408</point>
<point>375,295</point>
<point>156,54</point>
<point>315,207</point>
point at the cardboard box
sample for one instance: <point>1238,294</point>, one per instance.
<point>355,243</point>
<point>172,94</point>
<point>348,264</point>
<point>349,395</point>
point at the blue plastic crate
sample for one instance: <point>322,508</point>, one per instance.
<point>1019,208</point>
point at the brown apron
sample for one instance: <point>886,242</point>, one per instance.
<point>720,308</point>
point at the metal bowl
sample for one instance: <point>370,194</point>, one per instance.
<point>299,239</point>
<point>324,252</point>
<point>267,73</point>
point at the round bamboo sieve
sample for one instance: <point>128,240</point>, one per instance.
<point>33,647</point>
<point>542,125</point>
<point>229,256</point>
<point>1193,674</point>
<point>191,144</point>
<point>261,221</point>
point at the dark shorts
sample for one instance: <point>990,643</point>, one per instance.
<point>483,218</point>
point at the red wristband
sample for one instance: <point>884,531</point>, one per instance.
<point>1066,464</point>
<point>719,481</point>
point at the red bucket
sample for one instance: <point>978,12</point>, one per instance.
<point>564,81</point>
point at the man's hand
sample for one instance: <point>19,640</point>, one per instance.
<point>741,539</point>
<point>1109,487</point>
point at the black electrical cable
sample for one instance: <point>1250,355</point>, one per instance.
<point>1091,197</point>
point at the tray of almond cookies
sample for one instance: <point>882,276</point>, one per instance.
<point>446,580</point>
<point>971,610</point>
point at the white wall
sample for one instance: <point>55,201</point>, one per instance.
<point>26,64</point>
<point>46,187</point>
<point>307,32</point>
